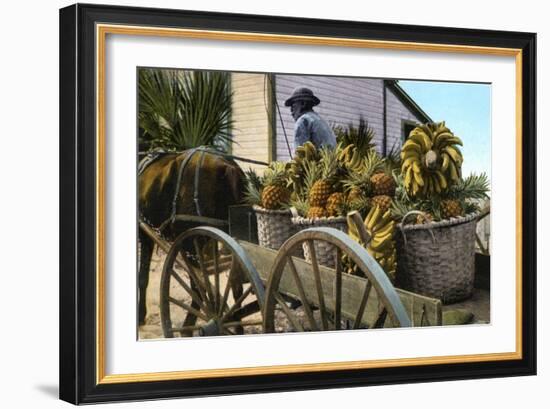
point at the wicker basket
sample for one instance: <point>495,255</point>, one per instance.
<point>274,227</point>
<point>437,259</point>
<point>325,252</point>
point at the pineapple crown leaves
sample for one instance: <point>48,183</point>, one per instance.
<point>361,136</point>
<point>393,160</point>
<point>300,204</point>
<point>276,174</point>
<point>253,188</point>
<point>474,187</point>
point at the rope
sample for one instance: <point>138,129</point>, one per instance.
<point>280,116</point>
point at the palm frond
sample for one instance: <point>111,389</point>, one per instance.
<point>179,110</point>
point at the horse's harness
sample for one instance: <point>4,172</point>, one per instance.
<point>198,218</point>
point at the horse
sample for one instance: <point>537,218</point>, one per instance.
<point>196,182</point>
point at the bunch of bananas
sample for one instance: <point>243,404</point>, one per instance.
<point>431,160</point>
<point>350,157</point>
<point>306,151</point>
<point>380,226</point>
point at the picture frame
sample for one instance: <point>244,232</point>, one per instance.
<point>83,181</point>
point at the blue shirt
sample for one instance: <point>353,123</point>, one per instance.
<point>311,127</point>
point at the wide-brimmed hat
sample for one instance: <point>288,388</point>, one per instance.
<point>304,94</point>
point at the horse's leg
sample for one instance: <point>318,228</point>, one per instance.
<point>146,252</point>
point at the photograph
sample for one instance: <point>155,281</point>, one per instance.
<point>275,202</point>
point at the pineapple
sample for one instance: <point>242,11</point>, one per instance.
<point>322,188</point>
<point>275,194</point>
<point>382,201</point>
<point>316,212</point>
<point>450,208</point>
<point>334,204</point>
<point>382,184</point>
<point>274,197</point>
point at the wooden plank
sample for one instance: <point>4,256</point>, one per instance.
<point>423,311</point>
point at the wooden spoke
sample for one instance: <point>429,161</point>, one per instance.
<point>207,285</point>
<point>191,271</point>
<point>248,309</point>
<point>381,319</point>
<point>290,315</point>
<point>205,299</point>
<point>318,286</point>
<point>362,306</point>
<point>237,303</point>
<point>188,308</point>
<point>216,276</point>
<point>186,287</point>
<point>338,291</point>
<point>223,303</point>
<point>301,291</point>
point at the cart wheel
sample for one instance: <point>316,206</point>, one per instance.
<point>331,299</point>
<point>209,287</point>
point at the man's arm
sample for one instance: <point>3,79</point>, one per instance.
<point>301,133</point>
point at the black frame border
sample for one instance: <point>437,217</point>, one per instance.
<point>78,197</point>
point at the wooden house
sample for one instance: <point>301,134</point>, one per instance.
<point>264,128</point>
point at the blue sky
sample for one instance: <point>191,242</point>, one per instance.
<point>466,110</point>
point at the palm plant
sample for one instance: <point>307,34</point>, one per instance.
<point>179,110</point>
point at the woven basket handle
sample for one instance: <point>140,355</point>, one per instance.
<point>294,212</point>
<point>417,213</point>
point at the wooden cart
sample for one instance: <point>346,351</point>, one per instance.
<point>213,284</point>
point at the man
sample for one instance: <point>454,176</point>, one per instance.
<point>309,125</point>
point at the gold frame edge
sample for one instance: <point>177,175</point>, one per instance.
<point>101,32</point>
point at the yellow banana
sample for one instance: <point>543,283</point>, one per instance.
<point>453,172</point>
<point>441,179</point>
<point>437,188</point>
<point>386,228</point>
<point>408,177</point>
<point>455,154</point>
<point>374,218</point>
<point>355,159</point>
<point>369,215</point>
<point>379,244</point>
<point>407,164</point>
<point>418,178</point>
<point>384,220</point>
<point>421,139</point>
<point>441,139</point>
<point>445,163</point>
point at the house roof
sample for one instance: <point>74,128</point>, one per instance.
<point>407,100</point>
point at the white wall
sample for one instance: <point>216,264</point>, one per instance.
<point>29,205</point>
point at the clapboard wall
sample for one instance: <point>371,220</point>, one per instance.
<point>343,100</point>
<point>252,117</point>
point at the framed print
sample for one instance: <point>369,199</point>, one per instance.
<point>258,203</point>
